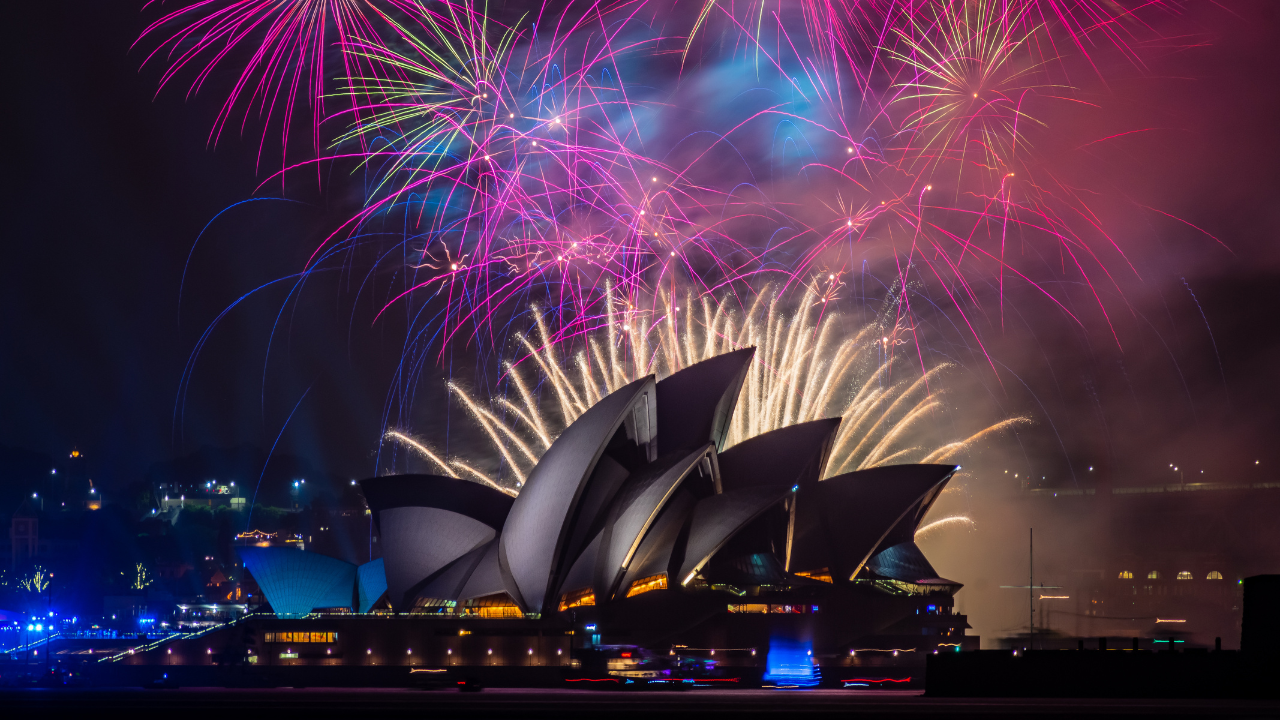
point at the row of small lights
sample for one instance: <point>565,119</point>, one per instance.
<point>1174,467</point>
<point>409,651</point>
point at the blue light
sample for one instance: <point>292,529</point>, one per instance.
<point>794,488</point>
<point>932,608</point>
<point>789,662</point>
<point>591,626</point>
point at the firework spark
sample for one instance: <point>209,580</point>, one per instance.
<point>944,523</point>
<point>280,51</point>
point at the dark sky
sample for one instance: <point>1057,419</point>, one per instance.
<point>106,192</point>
<point>107,188</point>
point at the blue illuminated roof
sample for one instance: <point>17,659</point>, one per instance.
<point>371,583</point>
<point>296,582</point>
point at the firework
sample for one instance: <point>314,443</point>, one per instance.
<point>593,160</point>
<point>280,52</point>
<point>966,82</point>
<point>951,521</point>
<point>513,158</point>
<point>803,370</point>
<point>507,163</point>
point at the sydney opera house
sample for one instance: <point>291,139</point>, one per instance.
<point>637,528</point>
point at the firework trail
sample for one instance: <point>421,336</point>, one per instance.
<point>944,523</point>
<point>803,370</point>
<point>280,52</point>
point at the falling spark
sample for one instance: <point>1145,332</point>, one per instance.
<point>946,522</point>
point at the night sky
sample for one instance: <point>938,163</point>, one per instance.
<point>107,188</point>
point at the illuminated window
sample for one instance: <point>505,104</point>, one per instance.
<point>1214,575</point>
<point>506,611</point>
<point>1126,574</point>
<point>777,609</point>
<point>498,605</point>
<point>1153,575</point>
<point>578,598</point>
<point>645,584</point>
<point>301,637</point>
<point>1184,575</point>
<point>822,574</point>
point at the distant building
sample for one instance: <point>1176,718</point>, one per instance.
<point>258,538</point>
<point>1153,561</point>
<point>210,494</point>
